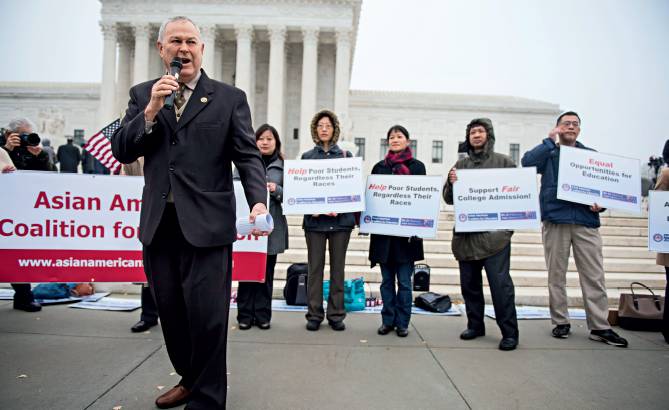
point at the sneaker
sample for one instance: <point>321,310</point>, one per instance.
<point>608,336</point>
<point>561,331</point>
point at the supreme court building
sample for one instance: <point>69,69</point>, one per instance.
<point>292,58</point>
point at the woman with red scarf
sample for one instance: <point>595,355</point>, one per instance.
<point>396,254</point>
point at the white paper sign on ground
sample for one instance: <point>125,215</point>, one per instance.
<point>323,186</point>
<point>658,221</point>
<point>402,205</point>
<point>588,177</point>
<point>496,199</point>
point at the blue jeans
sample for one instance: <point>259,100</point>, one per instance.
<point>396,304</point>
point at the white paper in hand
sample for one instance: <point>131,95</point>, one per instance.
<point>264,223</point>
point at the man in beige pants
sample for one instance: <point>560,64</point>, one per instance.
<point>568,225</point>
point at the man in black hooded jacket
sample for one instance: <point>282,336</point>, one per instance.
<point>490,249</point>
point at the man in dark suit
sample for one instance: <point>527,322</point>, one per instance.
<point>187,223</point>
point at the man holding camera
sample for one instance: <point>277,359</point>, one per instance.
<point>22,145</point>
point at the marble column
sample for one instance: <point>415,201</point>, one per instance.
<point>309,85</point>
<point>275,86</point>
<point>243,70</point>
<point>142,36</point>
<point>107,112</point>
<point>123,76</point>
<point>342,80</point>
<point>208,58</point>
<point>218,59</point>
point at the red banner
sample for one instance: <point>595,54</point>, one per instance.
<point>55,265</point>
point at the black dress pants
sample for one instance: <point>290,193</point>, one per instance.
<point>22,293</point>
<point>192,290</point>
<point>149,308</point>
<point>254,299</point>
<point>501,289</point>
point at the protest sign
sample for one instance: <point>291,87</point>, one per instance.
<point>84,228</point>
<point>402,205</point>
<point>658,221</point>
<point>589,177</point>
<point>496,199</point>
<point>323,186</point>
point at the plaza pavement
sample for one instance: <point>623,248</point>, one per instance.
<point>62,358</point>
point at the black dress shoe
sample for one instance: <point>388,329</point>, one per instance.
<point>402,332</point>
<point>385,329</point>
<point>244,325</point>
<point>313,325</point>
<point>28,306</point>
<point>470,334</point>
<point>142,326</point>
<point>263,325</point>
<point>338,326</point>
<point>508,343</point>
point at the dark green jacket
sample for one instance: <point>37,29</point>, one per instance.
<point>470,246</point>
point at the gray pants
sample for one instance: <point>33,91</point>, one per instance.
<point>587,245</point>
<point>337,245</point>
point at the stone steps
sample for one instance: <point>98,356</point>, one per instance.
<point>518,262</point>
<point>626,259</point>
<point>524,296</point>
<point>619,236</point>
<point>518,247</point>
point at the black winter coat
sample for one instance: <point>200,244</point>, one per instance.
<point>325,223</point>
<point>384,248</point>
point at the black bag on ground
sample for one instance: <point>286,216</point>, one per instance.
<point>433,302</point>
<point>295,291</point>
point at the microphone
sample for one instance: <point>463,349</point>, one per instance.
<point>175,69</point>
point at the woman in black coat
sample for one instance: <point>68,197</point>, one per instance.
<point>254,300</point>
<point>396,254</point>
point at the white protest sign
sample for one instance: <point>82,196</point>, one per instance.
<point>322,186</point>
<point>402,205</point>
<point>658,221</point>
<point>589,177</point>
<point>83,227</point>
<point>496,199</point>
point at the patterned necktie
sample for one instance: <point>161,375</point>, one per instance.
<point>179,98</point>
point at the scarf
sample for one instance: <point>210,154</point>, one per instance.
<point>396,161</point>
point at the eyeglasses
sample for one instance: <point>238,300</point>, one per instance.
<point>324,126</point>
<point>575,124</point>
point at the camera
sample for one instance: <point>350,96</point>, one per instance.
<point>29,139</point>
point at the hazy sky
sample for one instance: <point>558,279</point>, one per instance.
<point>606,59</point>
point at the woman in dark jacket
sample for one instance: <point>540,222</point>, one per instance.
<point>396,254</point>
<point>330,229</point>
<point>254,300</point>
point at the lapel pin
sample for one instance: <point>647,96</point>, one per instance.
<point>203,100</point>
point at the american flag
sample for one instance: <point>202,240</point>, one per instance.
<point>99,146</point>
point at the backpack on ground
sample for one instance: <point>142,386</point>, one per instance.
<point>295,291</point>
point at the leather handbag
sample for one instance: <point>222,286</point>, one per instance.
<point>640,311</point>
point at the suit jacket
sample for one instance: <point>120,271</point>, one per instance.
<point>193,159</point>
